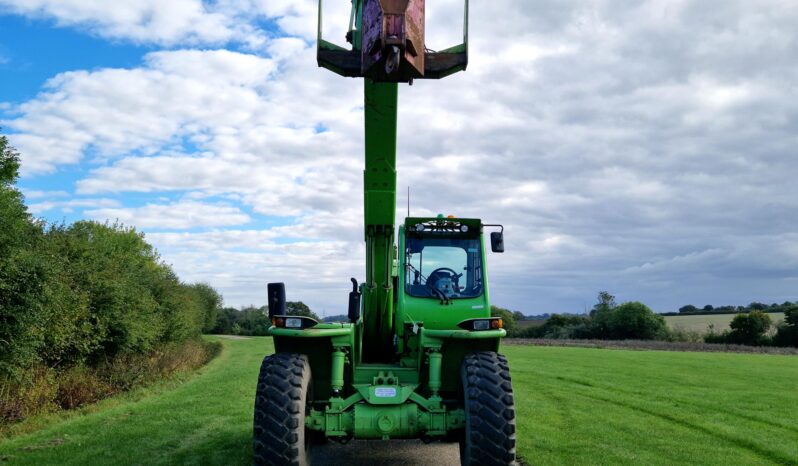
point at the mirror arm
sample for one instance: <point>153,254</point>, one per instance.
<point>494,225</point>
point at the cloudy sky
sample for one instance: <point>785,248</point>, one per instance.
<point>647,148</point>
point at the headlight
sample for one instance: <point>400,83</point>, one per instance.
<point>493,323</point>
<point>481,324</point>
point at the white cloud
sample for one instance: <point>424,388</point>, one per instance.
<point>113,112</point>
<point>39,194</point>
<point>241,262</point>
<point>178,215</point>
<point>187,22</point>
<point>646,149</point>
<point>69,206</point>
<point>145,21</point>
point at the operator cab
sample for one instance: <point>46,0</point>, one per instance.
<point>442,274</point>
<point>443,259</point>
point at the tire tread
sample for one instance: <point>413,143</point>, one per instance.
<point>278,425</point>
<point>489,438</point>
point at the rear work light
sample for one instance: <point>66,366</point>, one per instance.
<point>493,323</point>
<point>293,322</point>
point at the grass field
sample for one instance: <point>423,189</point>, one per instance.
<point>701,323</point>
<point>575,406</point>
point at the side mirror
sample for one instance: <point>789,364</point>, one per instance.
<point>497,241</point>
<point>354,303</point>
<point>276,292</point>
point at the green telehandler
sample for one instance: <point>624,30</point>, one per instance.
<point>418,357</point>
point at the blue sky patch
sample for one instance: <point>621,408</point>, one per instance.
<point>36,50</point>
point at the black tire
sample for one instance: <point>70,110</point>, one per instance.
<point>282,401</point>
<point>489,435</point>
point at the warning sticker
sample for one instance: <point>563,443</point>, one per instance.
<point>385,392</point>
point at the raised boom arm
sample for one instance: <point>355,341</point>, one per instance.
<point>379,194</point>
<point>387,38</point>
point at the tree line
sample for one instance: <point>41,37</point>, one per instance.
<point>608,320</point>
<point>786,306</point>
<point>254,321</point>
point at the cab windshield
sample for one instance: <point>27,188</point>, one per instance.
<point>443,267</point>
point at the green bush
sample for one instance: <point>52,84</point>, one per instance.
<point>298,308</point>
<point>717,338</point>
<point>129,291</point>
<point>81,385</point>
<point>787,333</point>
<point>23,272</point>
<point>560,326</point>
<point>684,335</point>
<point>750,329</point>
<point>27,392</point>
<point>40,388</point>
<point>248,321</point>
<point>508,319</point>
<point>254,320</point>
<point>635,321</point>
<point>210,302</point>
<point>607,321</point>
<point>601,314</point>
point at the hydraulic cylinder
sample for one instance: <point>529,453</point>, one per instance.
<point>435,361</point>
<point>337,371</point>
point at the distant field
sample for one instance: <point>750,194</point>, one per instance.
<point>701,323</point>
<point>529,323</point>
<point>574,406</point>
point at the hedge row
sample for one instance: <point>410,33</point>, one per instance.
<point>87,292</point>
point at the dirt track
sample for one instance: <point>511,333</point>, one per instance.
<point>387,453</point>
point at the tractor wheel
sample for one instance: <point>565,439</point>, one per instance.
<point>282,401</point>
<point>489,435</point>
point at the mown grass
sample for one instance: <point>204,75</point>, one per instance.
<point>589,406</point>
<point>575,406</point>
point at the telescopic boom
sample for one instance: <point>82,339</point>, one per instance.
<point>388,47</point>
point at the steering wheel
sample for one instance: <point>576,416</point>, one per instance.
<point>436,274</point>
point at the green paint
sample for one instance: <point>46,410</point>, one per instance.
<point>379,188</point>
<point>385,422</point>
